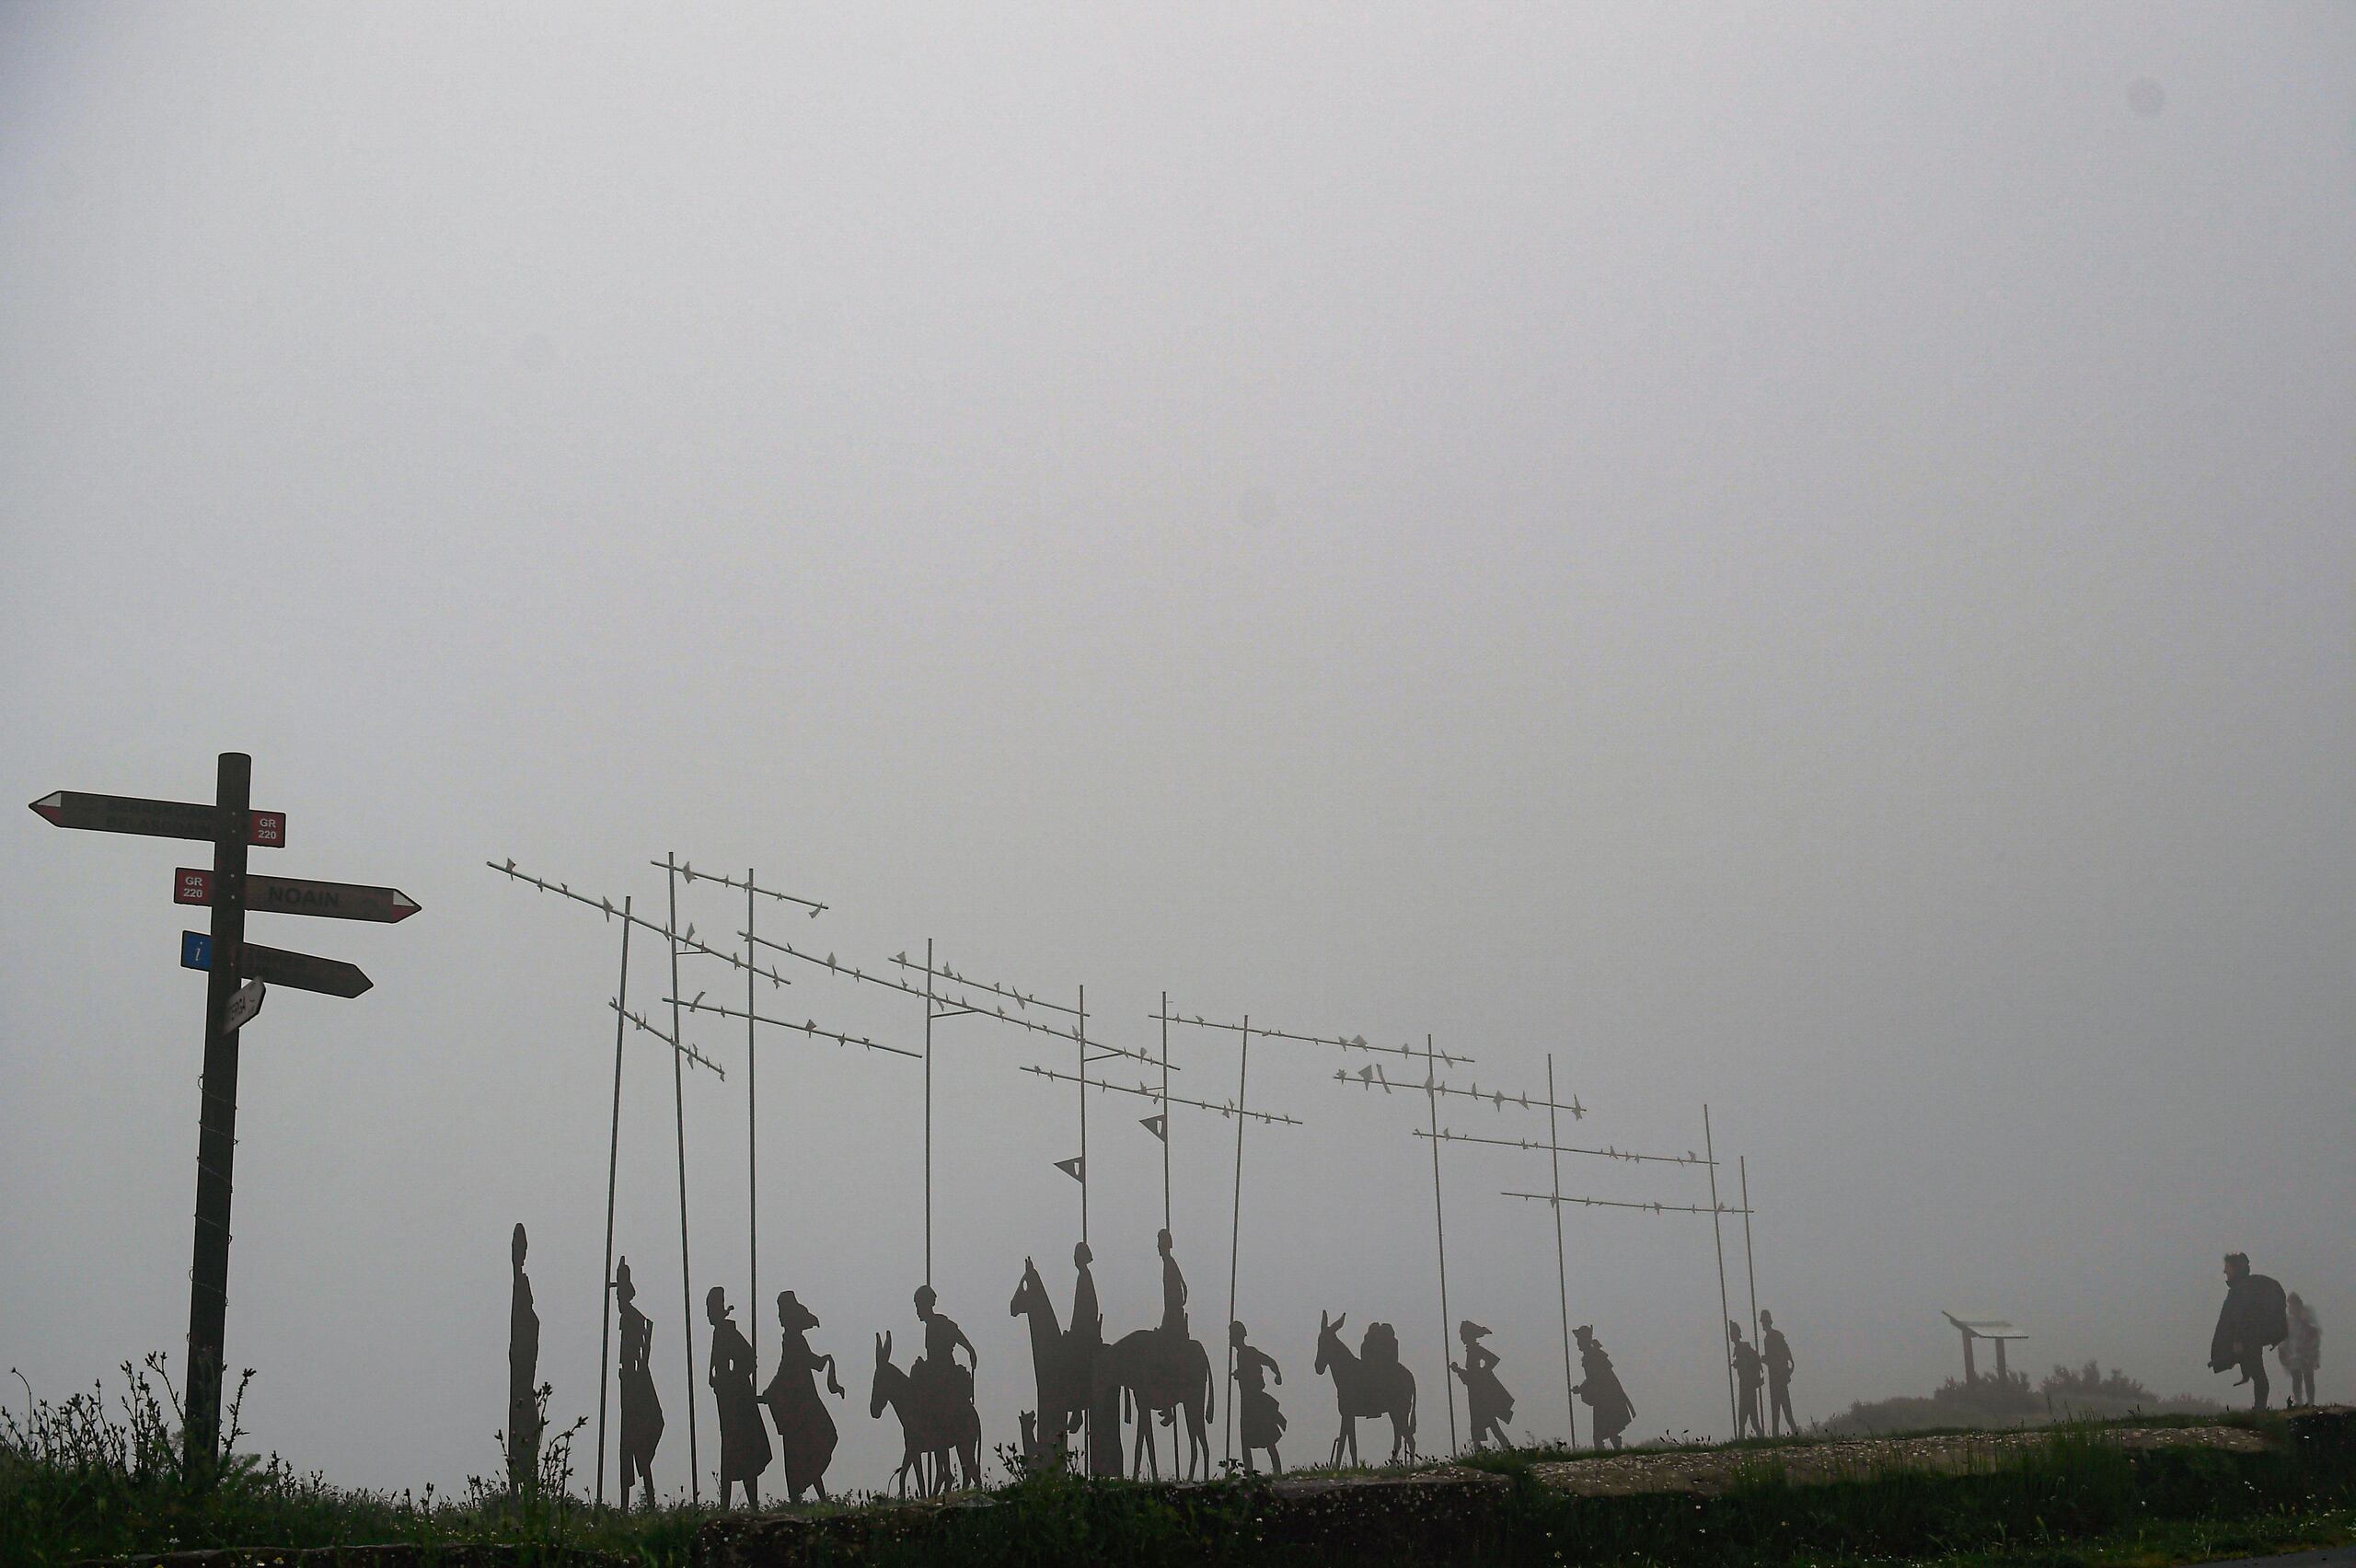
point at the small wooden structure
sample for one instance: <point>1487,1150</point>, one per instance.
<point>1996,1330</point>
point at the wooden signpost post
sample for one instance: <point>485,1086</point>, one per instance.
<point>237,976</point>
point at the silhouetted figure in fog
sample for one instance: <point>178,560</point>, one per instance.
<point>1748,1369</point>
<point>1255,1408</point>
<point>1173,1290</point>
<point>1777,1354</point>
<point>1486,1402</point>
<point>1099,1397</point>
<point>805,1431</point>
<point>934,1400</point>
<point>2301,1350</point>
<point>743,1442</point>
<point>1601,1389</point>
<point>523,1378</point>
<point>1373,1382</point>
<point>2254,1319</point>
<point>641,1411</point>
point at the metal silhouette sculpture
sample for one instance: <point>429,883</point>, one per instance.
<point>1061,1360</point>
<point>1776,1352</point>
<point>2301,1350</point>
<point>1101,1427</point>
<point>743,1442</point>
<point>934,1400</point>
<point>1600,1387</point>
<point>2255,1317</point>
<point>805,1431</point>
<point>641,1411</point>
<point>1369,1382</point>
<point>1160,1372</point>
<point>1488,1405</point>
<point>1262,1422</point>
<point>1748,1370</point>
<point>523,1376</point>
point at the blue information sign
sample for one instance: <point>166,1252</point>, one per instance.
<point>196,949</point>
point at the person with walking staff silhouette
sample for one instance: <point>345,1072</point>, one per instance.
<point>1084,1342</point>
<point>1748,1369</point>
<point>523,1377</point>
<point>1485,1399</point>
<point>1600,1387</point>
<point>805,1431</point>
<point>1255,1408</point>
<point>1776,1352</point>
<point>744,1441</point>
<point>1174,1313</point>
<point>641,1411</point>
<point>2254,1318</point>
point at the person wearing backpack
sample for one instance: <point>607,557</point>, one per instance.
<point>2254,1319</point>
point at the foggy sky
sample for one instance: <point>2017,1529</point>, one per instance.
<point>1793,558</point>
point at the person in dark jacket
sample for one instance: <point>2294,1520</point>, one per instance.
<point>2254,1319</point>
<point>1600,1387</point>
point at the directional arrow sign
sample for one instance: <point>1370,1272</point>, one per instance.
<point>247,1002</point>
<point>156,819</point>
<point>292,895</point>
<point>302,971</point>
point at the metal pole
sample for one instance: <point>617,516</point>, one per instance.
<point>928,1109</point>
<point>1439,1231</point>
<point>1562,1269</point>
<point>1743,1165</point>
<point>613,1168</point>
<point>752,1144</point>
<point>1726,1352</point>
<point>1165,1111</point>
<point>216,1123</point>
<point>1234,1225</point>
<point>1082,1033</point>
<point>679,1114</point>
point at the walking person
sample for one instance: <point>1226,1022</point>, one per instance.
<point>1486,1402</point>
<point>1776,1352</point>
<point>744,1441</point>
<point>2254,1319</point>
<point>641,1411</point>
<point>1262,1423</point>
<point>1748,1369</point>
<point>2300,1350</point>
<point>1600,1387</point>
<point>523,1377</point>
<point>805,1431</point>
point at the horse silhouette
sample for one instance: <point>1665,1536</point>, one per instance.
<point>1366,1385</point>
<point>1157,1377</point>
<point>1064,1384</point>
<point>932,1437</point>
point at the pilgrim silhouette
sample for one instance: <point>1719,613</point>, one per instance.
<point>1102,1397</point>
<point>1255,1408</point>
<point>1600,1387</point>
<point>2255,1316</point>
<point>1776,1352</point>
<point>1371,1382</point>
<point>1747,1370</point>
<point>1485,1399</point>
<point>934,1400</point>
<point>523,1376</point>
<point>805,1432</point>
<point>641,1411</point>
<point>744,1441</point>
<point>2300,1350</point>
<point>1159,1372</point>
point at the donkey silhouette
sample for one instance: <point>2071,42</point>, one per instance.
<point>931,1435</point>
<point>1371,1382</point>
